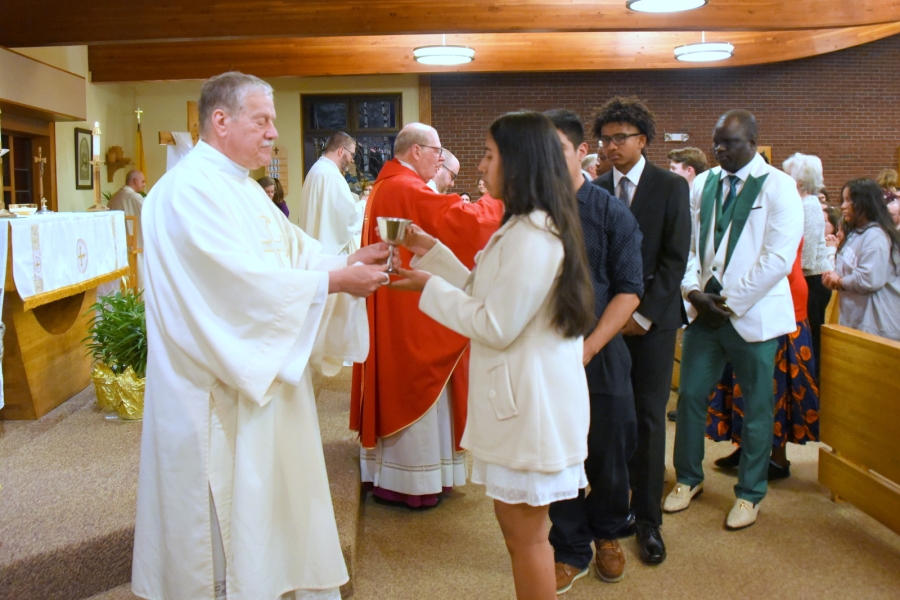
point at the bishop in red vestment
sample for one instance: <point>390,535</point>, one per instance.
<point>409,427</point>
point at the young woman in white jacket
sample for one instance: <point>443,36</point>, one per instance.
<point>525,307</point>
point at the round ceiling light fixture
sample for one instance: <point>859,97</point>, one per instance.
<point>664,6</point>
<point>704,51</point>
<point>444,55</point>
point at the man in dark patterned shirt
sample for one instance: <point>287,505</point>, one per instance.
<point>613,242</point>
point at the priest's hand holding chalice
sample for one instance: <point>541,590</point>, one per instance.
<point>419,243</point>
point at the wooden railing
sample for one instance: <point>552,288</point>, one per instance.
<point>860,394</point>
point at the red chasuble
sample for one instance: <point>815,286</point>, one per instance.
<point>411,356</point>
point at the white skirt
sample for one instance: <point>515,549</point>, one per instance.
<point>513,486</point>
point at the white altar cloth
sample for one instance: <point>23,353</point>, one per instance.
<point>51,252</point>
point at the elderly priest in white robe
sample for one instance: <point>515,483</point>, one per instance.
<point>233,497</point>
<point>129,200</point>
<point>328,210</point>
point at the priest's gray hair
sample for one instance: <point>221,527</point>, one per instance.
<point>806,170</point>
<point>228,92</point>
<point>412,134</point>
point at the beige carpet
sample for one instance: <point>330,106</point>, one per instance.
<point>803,547</point>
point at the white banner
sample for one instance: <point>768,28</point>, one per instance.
<point>63,249</point>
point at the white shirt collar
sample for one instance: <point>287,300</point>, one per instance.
<point>634,175</point>
<point>334,164</point>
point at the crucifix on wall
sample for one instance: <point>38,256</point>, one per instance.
<point>193,125</point>
<point>41,160</point>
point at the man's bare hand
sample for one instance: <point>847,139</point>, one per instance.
<point>360,281</point>
<point>411,281</point>
<point>417,241</point>
<point>710,307</point>
<point>632,327</point>
<point>373,254</point>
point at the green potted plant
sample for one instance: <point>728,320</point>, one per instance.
<point>117,339</point>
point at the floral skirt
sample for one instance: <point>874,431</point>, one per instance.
<point>796,396</point>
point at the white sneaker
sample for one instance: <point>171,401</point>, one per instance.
<point>743,514</point>
<point>680,497</point>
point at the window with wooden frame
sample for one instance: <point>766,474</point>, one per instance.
<point>374,120</point>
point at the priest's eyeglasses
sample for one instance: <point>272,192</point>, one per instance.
<point>453,175</point>
<point>439,149</point>
<point>617,139</point>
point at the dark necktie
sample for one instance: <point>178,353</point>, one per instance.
<point>624,186</point>
<point>732,191</point>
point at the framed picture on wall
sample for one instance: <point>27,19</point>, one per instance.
<point>766,151</point>
<point>84,171</point>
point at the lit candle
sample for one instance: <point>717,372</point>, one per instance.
<point>96,138</point>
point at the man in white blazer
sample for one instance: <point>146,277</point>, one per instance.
<point>747,222</point>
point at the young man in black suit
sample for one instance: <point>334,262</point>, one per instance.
<point>660,201</point>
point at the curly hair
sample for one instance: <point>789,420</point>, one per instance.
<point>625,110</point>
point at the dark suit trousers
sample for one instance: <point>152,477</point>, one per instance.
<point>612,437</point>
<point>817,302</point>
<point>652,360</point>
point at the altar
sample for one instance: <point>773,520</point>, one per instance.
<point>53,265</point>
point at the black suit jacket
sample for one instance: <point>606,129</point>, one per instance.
<point>662,207</point>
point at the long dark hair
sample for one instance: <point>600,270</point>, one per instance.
<point>867,200</point>
<point>535,177</point>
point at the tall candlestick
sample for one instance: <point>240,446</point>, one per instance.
<point>98,204</point>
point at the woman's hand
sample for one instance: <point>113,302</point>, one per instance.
<point>831,280</point>
<point>417,241</point>
<point>411,281</point>
<point>831,240</point>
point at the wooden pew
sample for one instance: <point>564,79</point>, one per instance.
<point>859,393</point>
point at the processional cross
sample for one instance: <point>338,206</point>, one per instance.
<point>41,160</point>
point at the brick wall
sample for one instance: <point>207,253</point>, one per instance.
<point>842,106</point>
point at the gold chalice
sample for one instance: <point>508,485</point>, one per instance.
<point>392,230</point>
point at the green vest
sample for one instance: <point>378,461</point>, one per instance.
<point>736,215</point>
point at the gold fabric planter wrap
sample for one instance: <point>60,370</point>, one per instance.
<point>105,386</point>
<point>122,394</point>
<point>130,388</point>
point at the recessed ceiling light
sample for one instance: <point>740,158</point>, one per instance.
<point>664,6</point>
<point>444,55</point>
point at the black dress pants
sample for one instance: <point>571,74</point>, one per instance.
<point>652,360</point>
<point>816,304</point>
<point>604,512</point>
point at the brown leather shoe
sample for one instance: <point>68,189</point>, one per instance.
<point>610,560</point>
<point>566,576</point>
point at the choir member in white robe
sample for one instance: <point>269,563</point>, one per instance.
<point>233,497</point>
<point>329,211</point>
<point>129,200</point>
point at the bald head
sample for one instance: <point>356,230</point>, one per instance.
<point>135,180</point>
<point>418,144</point>
<point>447,173</point>
<point>734,140</point>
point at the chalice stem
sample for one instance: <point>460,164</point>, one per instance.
<point>390,265</point>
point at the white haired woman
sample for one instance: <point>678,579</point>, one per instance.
<point>806,170</point>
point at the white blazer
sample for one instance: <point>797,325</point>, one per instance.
<point>755,283</point>
<point>528,395</point>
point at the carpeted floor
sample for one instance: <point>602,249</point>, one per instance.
<point>803,546</point>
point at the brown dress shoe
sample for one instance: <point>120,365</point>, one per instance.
<point>610,560</point>
<point>566,576</point>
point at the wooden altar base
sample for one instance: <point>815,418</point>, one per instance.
<point>44,361</point>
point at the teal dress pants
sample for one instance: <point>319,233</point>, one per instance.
<point>704,352</point>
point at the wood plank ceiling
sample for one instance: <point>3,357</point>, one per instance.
<point>174,39</point>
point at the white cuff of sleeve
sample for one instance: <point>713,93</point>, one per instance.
<point>643,321</point>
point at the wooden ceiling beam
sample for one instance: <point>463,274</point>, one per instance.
<point>59,22</point>
<point>308,57</point>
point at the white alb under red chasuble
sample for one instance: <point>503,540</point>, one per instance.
<point>237,313</point>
